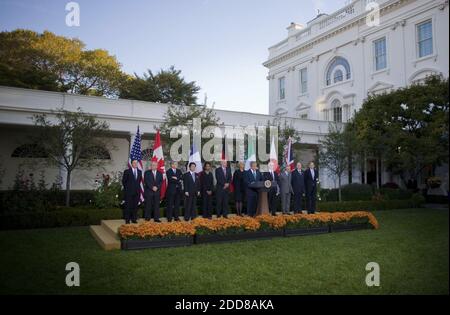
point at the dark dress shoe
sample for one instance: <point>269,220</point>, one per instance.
<point>157,221</point>
<point>177,219</point>
<point>147,220</point>
<point>169,220</point>
<point>134,221</point>
<point>127,222</point>
<point>225,217</point>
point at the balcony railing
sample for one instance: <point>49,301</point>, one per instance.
<point>348,12</point>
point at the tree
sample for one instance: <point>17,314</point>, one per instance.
<point>72,140</point>
<point>407,128</point>
<point>56,63</point>
<point>335,153</point>
<point>177,115</point>
<point>167,86</point>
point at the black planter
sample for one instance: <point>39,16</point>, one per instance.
<point>348,227</point>
<point>307,231</point>
<point>157,243</point>
<point>214,238</point>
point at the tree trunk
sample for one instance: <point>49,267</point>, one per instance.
<point>339,189</point>
<point>365,168</point>
<point>377,173</point>
<point>68,189</point>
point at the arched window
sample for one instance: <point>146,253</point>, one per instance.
<point>338,76</point>
<point>337,110</point>
<point>29,150</point>
<point>96,152</point>
<point>338,70</point>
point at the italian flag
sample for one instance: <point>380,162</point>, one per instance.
<point>251,154</point>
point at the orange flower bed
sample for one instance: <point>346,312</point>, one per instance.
<point>323,218</point>
<point>238,224</point>
<point>274,222</point>
<point>233,224</point>
<point>156,230</point>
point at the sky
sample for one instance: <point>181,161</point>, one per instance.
<point>220,44</point>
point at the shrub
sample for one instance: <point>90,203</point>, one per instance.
<point>356,191</point>
<point>369,205</point>
<point>328,194</point>
<point>108,197</point>
<point>395,194</point>
<point>390,185</point>
<point>418,199</point>
<point>57,218</point>
<point>441,199</point>
<point>18,201</point>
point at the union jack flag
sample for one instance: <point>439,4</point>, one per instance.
<point>288,155</point>
<point>136,154</point>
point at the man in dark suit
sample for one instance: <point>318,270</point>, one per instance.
<point>311,180</point>
<point>274,190</point>
<point>152,188</point>
<point>207,187</point>
<point>131,182</point>
<point>191,184</point>
<point>173,193</point>
<point>252,175</point>
<point>298,185</point>
<point>223,178</point>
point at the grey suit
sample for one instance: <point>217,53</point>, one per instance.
<point>285,191</point>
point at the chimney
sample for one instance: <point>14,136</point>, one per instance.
<point>294,28</point>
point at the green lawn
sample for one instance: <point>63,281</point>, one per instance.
<point>411,248</point>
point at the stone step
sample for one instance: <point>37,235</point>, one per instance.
<point>104,238</point>
<point>112,227</point>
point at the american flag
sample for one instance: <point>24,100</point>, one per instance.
<point>136,154</point>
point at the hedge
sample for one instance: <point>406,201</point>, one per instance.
<point>58,218</point>
<point>35,200</point>
<point>368,205</point>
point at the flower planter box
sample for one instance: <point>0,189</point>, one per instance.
<point>348,227</point>
<point>214,238</point>
<point>157,243</point>
<point>307,231</point>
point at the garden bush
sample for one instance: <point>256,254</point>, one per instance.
<point>20,201</point>
<point>58,218</point>
<point>395,194</point>
<point>370,205</point>
<point>356,191</point>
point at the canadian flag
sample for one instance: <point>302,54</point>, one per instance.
<point>158,156</point>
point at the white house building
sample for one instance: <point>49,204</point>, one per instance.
<point>320,73</point>
<point>325,69</point>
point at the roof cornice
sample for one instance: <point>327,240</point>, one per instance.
<point>386,8</point>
